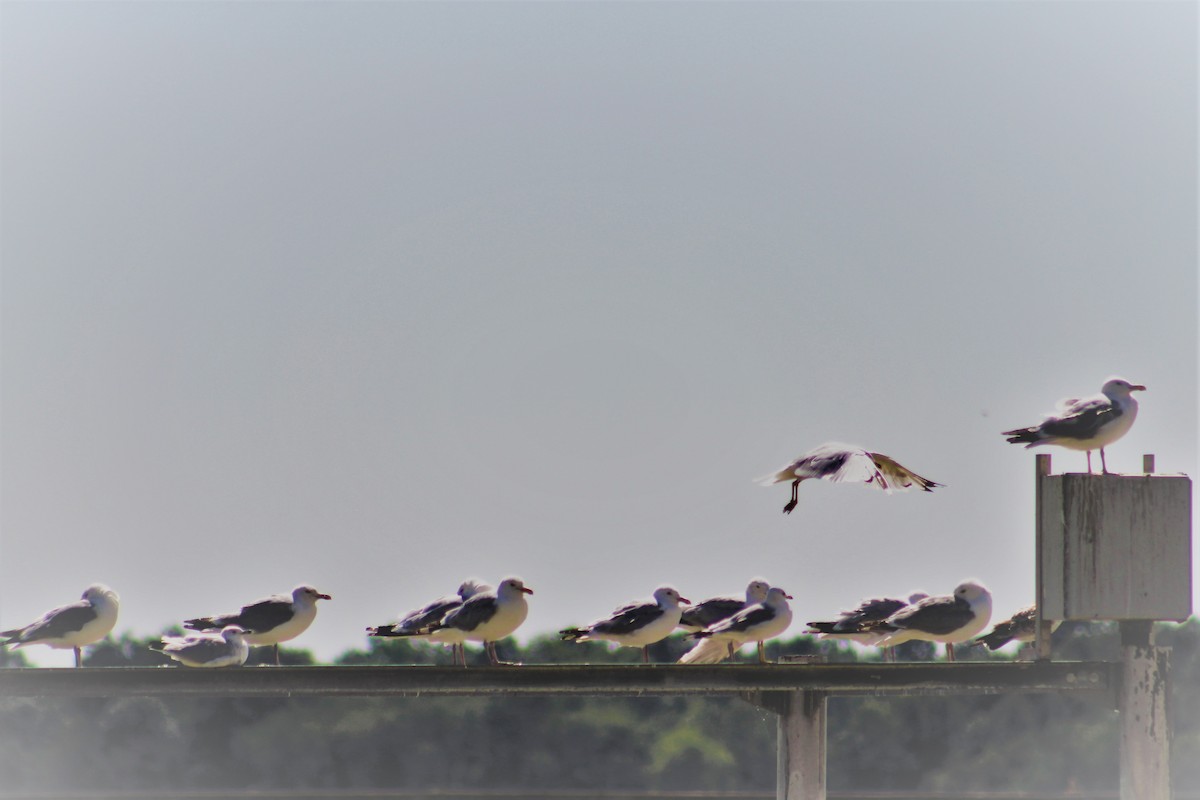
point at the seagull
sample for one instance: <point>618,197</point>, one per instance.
<point>755,623</point>
<point>839,462</point>
<point>1020,627</point>
<point>71,626</point>
<point>711,611</point>
<point>270,620</point>
<point>865,624</point>
<point>1086,423</point>
<point>948,618</point>
<point>640,623</point>
<point>489,615</point>
<point>416,623</point>
<point>225,649</point>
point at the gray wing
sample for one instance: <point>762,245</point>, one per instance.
<point>422,618</point>
<point>59,622</point>
<point>261,617</point>
<point>629,619</point>
<point>202,650</point>
<point>711,611</point>
<point>935,615</point>
<point>471,614</point>
<point>1022,623</point>
<point>1082,420</point>
<point>745,620</point>
<point>874,610</point>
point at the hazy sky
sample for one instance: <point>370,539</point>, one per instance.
<point>378,296</point>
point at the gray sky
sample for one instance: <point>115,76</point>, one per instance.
<point>377,296</point>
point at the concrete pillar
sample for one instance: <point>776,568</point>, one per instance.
<point>1145,727</point>
<point>801,761</point>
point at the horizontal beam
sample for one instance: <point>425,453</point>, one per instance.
<point>575,679</point>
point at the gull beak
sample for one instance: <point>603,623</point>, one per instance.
<point>685,601</point>
<point>526,590</point>
<point>788,596</point>
<point>1137,388</point>
<point>324,597</point>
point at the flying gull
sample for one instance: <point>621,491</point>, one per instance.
<point>1087,423</point>
<point>948,618</point>
<point>755,623</point>
<point>866,623</point>
<point>416,623</point>
<point>207,649</point>
<point>272,620</point>
<point>1020,627</point>
<point>489,615</point>
<point>71,626</point>
<point>637,624</point>
<point>838,462</point>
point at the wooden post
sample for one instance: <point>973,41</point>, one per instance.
<point>1041,639</point>
<point>1145,728</point>
<point>801,759</point>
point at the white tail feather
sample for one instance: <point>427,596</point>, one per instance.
<point>709,650</point>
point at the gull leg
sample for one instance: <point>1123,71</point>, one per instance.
<point>646,654</point>
<point>949,652</point>
<point>490,647</point>
<point>275,647</point>
<point>1103,463</point>
<point>788,508</point>
<point>732,652</point>
<point>1089,454</point>
<point>762,653</point>
<point>78,657</point>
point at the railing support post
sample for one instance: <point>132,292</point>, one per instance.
<point>1145,727</point>
<point>801,760</point>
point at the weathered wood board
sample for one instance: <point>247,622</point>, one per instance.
<point>1116,546</point>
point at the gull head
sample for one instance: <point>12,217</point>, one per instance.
<point>99,593</point>
<point>514,585</point>
<point>232,633</point>
<point>668,596</point>
<point>1119,387</point>
<point>307,594</point>
<point>972,592</point>
<point>777,595</point>
<point>756,592</point>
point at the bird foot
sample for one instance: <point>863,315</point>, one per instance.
<point>788,508</point>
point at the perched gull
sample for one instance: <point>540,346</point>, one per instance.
<point>865,624</point>
<point>272,620</point>
<point>948,618</point>
<point>489,615</point>
<point>1086,423</point>
<point>416,623</point>
<point>755,623</point>
<point>207,649</point>
<point>637,624</point>
<point>838,462</point>
<point>71,626</point>
<point>708,612</point>
<point>1020,627</point>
